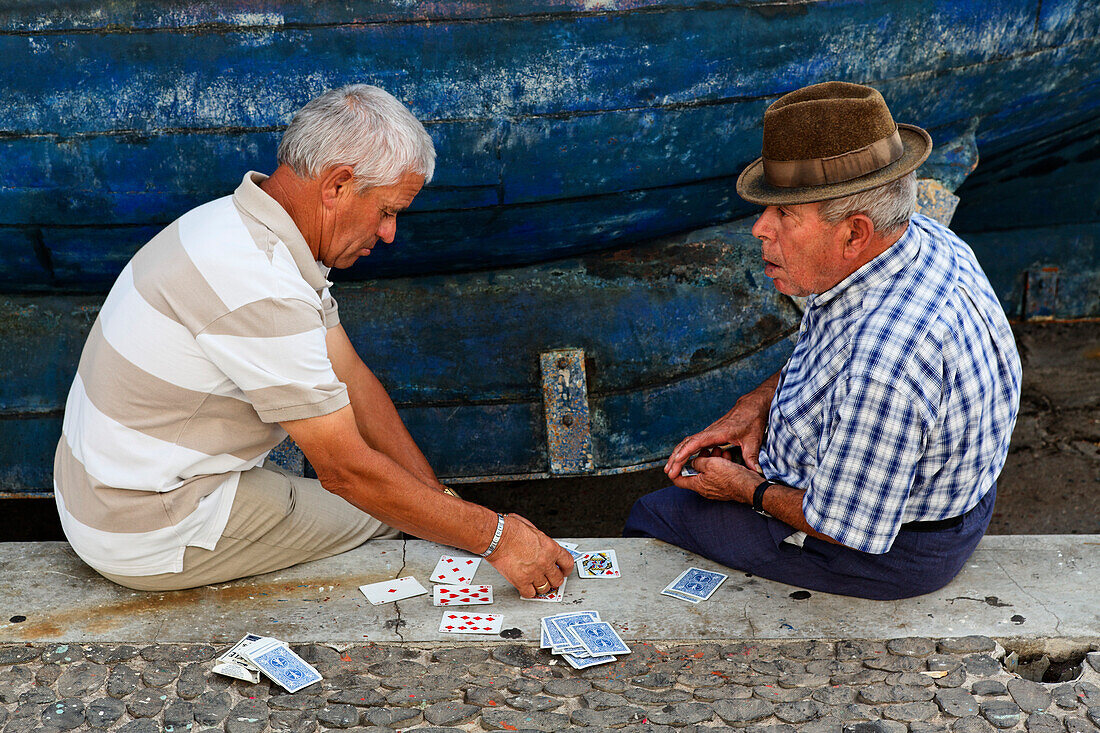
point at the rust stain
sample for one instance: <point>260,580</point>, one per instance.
<point>109,616</point>
<point>1093,354</point>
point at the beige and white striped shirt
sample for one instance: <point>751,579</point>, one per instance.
<point>212,334</point>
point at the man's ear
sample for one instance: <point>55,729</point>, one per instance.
<point>861,230</point>
<point>336,182</point>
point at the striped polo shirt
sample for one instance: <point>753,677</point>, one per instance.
<point>212,334</point>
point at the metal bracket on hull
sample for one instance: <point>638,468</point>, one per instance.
<point>1041,294</point>
<point>565,397</point>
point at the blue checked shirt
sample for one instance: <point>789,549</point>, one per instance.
<point>899,400</point>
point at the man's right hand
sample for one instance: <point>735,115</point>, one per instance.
<point>742,426</point>
<point>528,559</point>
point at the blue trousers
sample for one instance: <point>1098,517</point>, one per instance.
<point>734,535</point>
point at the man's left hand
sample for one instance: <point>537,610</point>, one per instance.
<point>720,479</point>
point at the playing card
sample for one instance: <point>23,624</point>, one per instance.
<point>598,564</point>
<point>461,595</point>
<point>697,583</point>
<point>235,655</point>
<point>567,545</point>
<point>687,470</point>
<point>278,662</point>
<point>554,595</point>
<point>455,569</point>
<point>681,596</point>
<point>237,671</point>
<point>392,590</point>
<point>599,639</point>
<point>464,622</point>
<point>583,662</point>
<point>556,635</point>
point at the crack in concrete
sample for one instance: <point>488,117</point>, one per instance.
<point>748,620</point>
<point>397,606</point>
<point>1057,619</point>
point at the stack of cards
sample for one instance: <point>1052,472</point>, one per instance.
<point>236,665</point>
<point>694,585</point>
<point>254,654</point>
<point>582,639</point>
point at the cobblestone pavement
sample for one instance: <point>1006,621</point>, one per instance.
<point>911,684</point>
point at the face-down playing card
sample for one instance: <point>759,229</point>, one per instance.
<point>695,584</point>
<point>455,569</point>
<point>286,668</point>
<point>599,638</point>
<point>461,595</point>
<point>598,564</point>
<point>465,622</point>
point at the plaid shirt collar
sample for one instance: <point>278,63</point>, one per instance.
<point>881,268</point>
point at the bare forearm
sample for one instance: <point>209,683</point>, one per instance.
<point>785,504</point>
<point>761,397</point>
<point>378,485</point>
<point>382,428</point>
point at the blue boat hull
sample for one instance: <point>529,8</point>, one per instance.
<point>577,142</point>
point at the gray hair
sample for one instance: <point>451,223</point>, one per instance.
<point>888,206</point>
<point>361,126</point>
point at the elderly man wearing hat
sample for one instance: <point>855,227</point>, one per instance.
<point>870,459</point>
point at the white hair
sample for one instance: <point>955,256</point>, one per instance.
<point>888,206</point>
<point>361,126</point>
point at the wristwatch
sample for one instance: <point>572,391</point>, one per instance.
<point>758,496</point>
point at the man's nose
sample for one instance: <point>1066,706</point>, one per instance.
<point>388,230</point>
<point>763,227</point>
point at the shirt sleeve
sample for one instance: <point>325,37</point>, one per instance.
<point>330,308</point>
<point>867,466</point>
<point>274,351</point>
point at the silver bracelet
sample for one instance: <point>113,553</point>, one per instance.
<point>496,536</point>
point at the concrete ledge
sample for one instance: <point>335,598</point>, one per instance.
<point>1014,587</point>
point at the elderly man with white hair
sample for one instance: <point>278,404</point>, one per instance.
<point>219,338</point>
<point>871,457</point>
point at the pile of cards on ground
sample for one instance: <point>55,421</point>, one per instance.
<point>255,654</point>
<point>582,639</point>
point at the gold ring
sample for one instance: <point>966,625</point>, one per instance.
<point>540,589</point>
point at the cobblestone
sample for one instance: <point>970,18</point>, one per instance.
<point>809,687</point>
<point>1032,697</point>
<point>1001,713</point>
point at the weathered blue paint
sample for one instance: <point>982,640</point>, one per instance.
<point>571,134</point>
<point>661,325</point>
<point>562,126</point>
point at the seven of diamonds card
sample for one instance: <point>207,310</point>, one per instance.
<point>461,595</point>
<point>598,564</point>
<point>464,622</point>
<point>455,569</point>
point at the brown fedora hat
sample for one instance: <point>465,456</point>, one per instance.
<point>830,140</point>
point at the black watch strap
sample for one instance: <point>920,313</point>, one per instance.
<point>758,496</point>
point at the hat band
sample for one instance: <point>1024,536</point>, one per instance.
<point>836,168</point>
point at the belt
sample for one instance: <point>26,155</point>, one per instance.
<point>935,525</point>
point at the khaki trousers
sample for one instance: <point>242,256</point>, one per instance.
<point>277,520</point>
